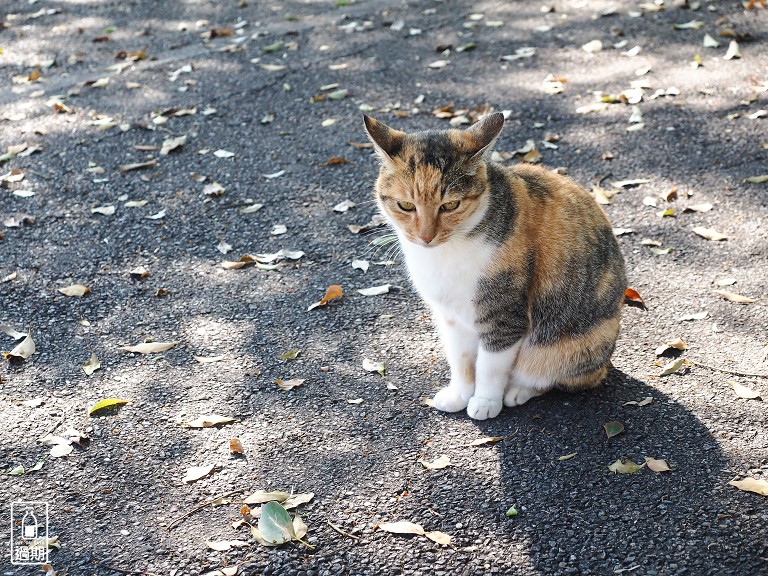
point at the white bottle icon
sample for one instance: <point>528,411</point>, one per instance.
<point>29,526</point>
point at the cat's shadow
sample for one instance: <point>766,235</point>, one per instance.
<point>573,514</point>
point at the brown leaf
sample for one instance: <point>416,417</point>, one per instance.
<point>337,160</point>
<point>137,166</point>
<point>402,527</point>
<point>632,298</point>
<point>235,446</point>
<point>331,293</point>
<point>677,344</point>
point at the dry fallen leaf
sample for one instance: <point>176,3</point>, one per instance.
<point>439,538</point>
<point>657,465</point>
<point>374,290</point>
<point>644,402</point>
<point>633,298</point>
<point>672,367</point>
<point>567,456</point>
<point>334,291</point>
<point>92,365</point>
<point>9,331</point>
<point>441,462</point>
<point>210,359</point>
<point>289,384</point>
<point>625,467</point>
<point>676,344</point>
<point>743,391</point>
<point>74,290</point>
<point>756,485</point>
<point>733,297</point>
<point>149,347</point>
<point>486,440</point>
<point>235,446</point>
<point>23,349</point>
<point>207,421</point>
<point>402,527</point>
<point>171,144</point>
<point>371,366</point>
<point>196,472</point>
<point>709,233</point>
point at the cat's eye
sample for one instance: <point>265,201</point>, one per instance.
<point>450,206</point>
<point>406,206</point>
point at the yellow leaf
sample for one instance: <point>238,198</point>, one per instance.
<point>567,456</point>
<point>106,403</point>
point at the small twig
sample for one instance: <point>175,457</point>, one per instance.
<point>340,531</point>
<point>124,571</point>
<point>211,501</point>
<point>734,372</point>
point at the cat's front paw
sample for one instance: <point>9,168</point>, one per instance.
<point>449,399</point>
<point>517,395</point>
<point>483,408</point>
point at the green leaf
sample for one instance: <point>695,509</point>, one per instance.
<point>613,428</point>
<point>511,512</point>
<point>276,47</point>
<point>106,403</point>
<point>290,355</point>
<point>18,471</point>
<point>275,525</point>
<point>661,251</point>
<point>757,179</point>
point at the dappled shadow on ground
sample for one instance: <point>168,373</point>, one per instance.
<point>361,460</point>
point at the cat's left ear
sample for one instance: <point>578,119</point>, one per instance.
<point>388,142</point>
<point>483,135</point>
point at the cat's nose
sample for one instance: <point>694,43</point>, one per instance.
<point>427,237</point>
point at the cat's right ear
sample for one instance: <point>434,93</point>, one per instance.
<point>386,141</point>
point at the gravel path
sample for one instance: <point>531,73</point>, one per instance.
<point>269,97</point>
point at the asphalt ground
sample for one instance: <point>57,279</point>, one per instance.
<point>258,80</point>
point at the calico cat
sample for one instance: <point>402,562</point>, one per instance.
<point>519,265</point>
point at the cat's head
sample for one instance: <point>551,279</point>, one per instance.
<point>433,184</point>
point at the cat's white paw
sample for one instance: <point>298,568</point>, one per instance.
<point>517,395</point>
<point>449,399</point>
<point>482,408</point>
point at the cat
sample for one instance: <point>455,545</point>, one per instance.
<point>519,266</point>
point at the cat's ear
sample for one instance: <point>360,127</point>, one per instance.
<point>386,141</point>
<point>483,135</point>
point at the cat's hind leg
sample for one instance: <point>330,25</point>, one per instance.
<point>460,345</point>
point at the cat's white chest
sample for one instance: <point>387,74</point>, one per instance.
<point>446,276</point>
